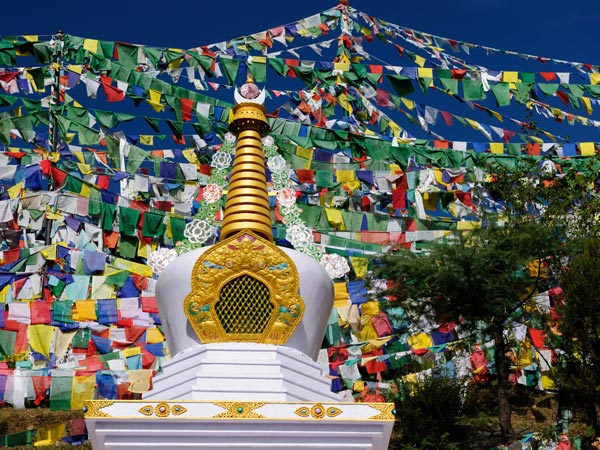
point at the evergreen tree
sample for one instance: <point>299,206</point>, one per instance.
<point>478,279</point>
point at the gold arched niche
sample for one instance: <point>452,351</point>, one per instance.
<point>244,289</point>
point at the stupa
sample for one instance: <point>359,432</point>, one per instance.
<point>244,320</point>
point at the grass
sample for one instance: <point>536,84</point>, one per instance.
<point>17,420</point>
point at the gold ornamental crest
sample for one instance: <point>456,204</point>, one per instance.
<point>244,289</point>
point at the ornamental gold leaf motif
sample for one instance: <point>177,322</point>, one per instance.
<point>244,289</point>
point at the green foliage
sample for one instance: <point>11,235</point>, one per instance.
<point>427,414</point>
<point>481,277</point>
<point>579,331</point>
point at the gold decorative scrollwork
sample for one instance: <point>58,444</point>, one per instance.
<point>385,411</point>
<point>244,289</point>
<point>93,407</point>
<point>239,410</point>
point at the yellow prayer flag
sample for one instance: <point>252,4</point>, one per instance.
<point>79,156</point>
<point>40,338</point>
<point>85,310</point>
<point>142,250</point>
<point>367,331</point>
<point>587,104</point>
<point>77,68</point>
<point>91,45</point>
<point>359,266</point>
<point>594,78</point>
<point>141,380</point>
<point>497,148</point>
<point>352,185</point>
<point>49,436</point>
<point>53,215</point>
<point>547,379</point>
<point>408,103</point>
<point>305,152</point>
<point>137,268</point>
<point>496,114</point>
<point>15,191</point>
<point>49,253</point>
<point>472,123</point>
<point>153,335</point>
<point>419,60</point>
<point>84,168</point>
<point>158,107</point>
<point>420,340</point>
<point>463,225</point>
<point>344,103</point>
<point>341,296</point>
<point>358,386</point>
<point>345,175</point>
<point>587,148</point>
<point>510,77</point>
<point>370,308</point>
<point>132,351</point>
<point>31,37</point>
<point>395,168</point>
<point>82,389</point>
<point>395,128</point>
<point>146,139</point>
<point>85,191</point>
<point>425,72</point>
<point>335,218</point>
<point>344,67</point>
<point>4,292</point>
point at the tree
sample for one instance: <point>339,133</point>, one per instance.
<point>579,331</point>
<point>427,414</point>
<point>479,279</point>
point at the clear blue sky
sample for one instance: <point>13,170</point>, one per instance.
<point>559,30</point>
<point>564,30</point>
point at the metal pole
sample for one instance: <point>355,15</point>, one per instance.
<point>57,61</point>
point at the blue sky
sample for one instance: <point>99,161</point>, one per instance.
<point>552,28</point>
<point>543,28</point>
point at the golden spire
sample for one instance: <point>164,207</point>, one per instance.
<point>247,206</point>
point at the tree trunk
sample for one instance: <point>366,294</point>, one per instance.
<point>502,370</point>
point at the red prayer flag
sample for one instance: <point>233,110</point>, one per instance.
<point>187,106</point>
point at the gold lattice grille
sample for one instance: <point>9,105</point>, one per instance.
<point>244,306</point>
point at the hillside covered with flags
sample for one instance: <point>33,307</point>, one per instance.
<point>114,157</point>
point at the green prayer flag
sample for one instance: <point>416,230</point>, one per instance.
<point>401,84</point>
<point>258,70</point>
<point>105,118</point>
<point>81,338</point>
<point>501,93</point>
<point>128,54</point>
<point>25,127</point>
<point>95,203</point>
<point>230,67</point>
<point>107,218</point>
<point>128,220</point>
<point>128,246</point>
<point>154,225</point>
<point>60,393</point>
<point>7,343</point>
<point>278,65</point>
<point>135,159</point>
<point>473,89</point>
<point>177,227</point>
<point>22,438</point>
<point>62,311</point>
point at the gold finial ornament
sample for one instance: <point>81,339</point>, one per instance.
<point>247,206</point>
<point>245,288</point>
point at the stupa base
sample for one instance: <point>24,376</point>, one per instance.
<point>190,425</point>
